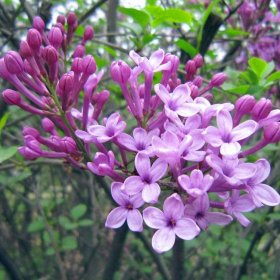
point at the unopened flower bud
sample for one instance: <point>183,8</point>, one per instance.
<point>245,104</point>
<point>190,68</point>
<point>198,60</point>
<point>38,24</point>
<point>120,72</point>
<point>61,19</point>
<point>88,34</point>
<point>48,125</point>
<point>13,62</point>
<point>34,39</point>
<point>60,26</point>
<point>25,50</point>
<point>77,65</point>
<point>27,153</point>
<point>174,60</point>
<point>27,130</point>
<point>11,97</point>
<point>197,81</point>
<point>218,79</point>
<point>50,54</point>
<point>272,132</point>
<point>89,65</point>
<point>28,68</point>
<point>79,51</point>
<point>261,109</point>
<point>71,19</point>
<point>66,83</point>
<point>68,145</point>
<point>55,37</point>
<point>194,91</point>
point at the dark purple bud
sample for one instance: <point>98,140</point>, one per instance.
<point>194,91</point>
<point>28,68</point>
<point>13,62</point>
<point>27,153</point>
<point>55,37</point>
<point>198,60</point>
<point>11,97</point>
<point>68,145</point>
<point>25,50</point>
<point>88,34</point>
<point>38,24</point>
<point>190,68</point>
<point>77,65</point>
<point>50,54</point>
<point>261,109</point>
<point>66,83</point>
<point>48,125</point>
<point>32,143</point>
<point>61,19</point>
<point>218,79</point>
<point>79,51</point>
<point>47,100</point>
<point>120,72</point>
<point>60,26</point>
<point>245,104</point>
<point>27,130</point>
<point>71,19</point>
<point>34,39</point>
<point>197,81</point>
<point>173,59</point>
<point>272,132</point>
<point>89,65</point>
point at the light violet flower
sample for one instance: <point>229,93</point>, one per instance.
<point>225,136</point>
<point>113,127</point>
<point>127,210</point>
<point>140,142</point>
<point>233,171</point>
<point>179,102</point>
<point>146,182</point>
<point>236,205</point>
<point>198,210</point>
<point>262,194</point>
<point>79,114</point>
<point>169,222</point>
<point>196,184</point>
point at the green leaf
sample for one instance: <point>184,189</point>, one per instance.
<point>78,211</point>
<point>274,76</point>
<point>187,47</point>
<point>175,15</point>
<point>231,32</point>
<point>7,153</point>
<point>69,243</point>
<point>3,121</point>
<point>242,89</point>
<point>85,223</point>
<point>36,225</point>
<point>257,65</point>
<point>50,252</point>
<point>66,223</point>
<point>269,68</point>
<point>139,16</point>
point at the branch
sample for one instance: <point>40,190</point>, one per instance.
<point>91,11</point>
<point>178,270</point>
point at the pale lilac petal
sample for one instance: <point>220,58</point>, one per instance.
<point>116,217</point>
<point>273,116</point>
<point>181,94</point>
<point>212,136</point>
<point>201,204</point>
<point>230,149</point>
<point>195,156</point>
<point>218,218</point>
<point>187,109</point>
<point>154,218</point>
<point>133,185</point>
<point>242,219</point>
<point>151,193</point>
<point>163,67</point>
<point>139,134</point>
<point>126,141</point>
<point>113,120</point>
<point>224,122</point>
<point>263,171</point>
<point>76,113</point>
<point>163,240</point>
<point>118,195</point>
<point>156,58</point>
<point>135,57</point>
<point>202,223</point>
<point>215,162</point>
<point>97,130</point>
<point>162,93</point>
<point>142,164</point>
<point>266,195</point>
<point>189,211</point>
<point>184,182</point>
<point>136,200</point>
<point>171,139</point>
<point>158,170</point>
<point>243,130</point>
<point>243,204</point>
<point>86,137</point>
<point>196,177</point>
<point>186,229</point>
<point>135,220</point>
<point>244,171</point>
<point>173,207</point>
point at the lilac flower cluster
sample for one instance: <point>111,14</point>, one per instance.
<point>184,152</point>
